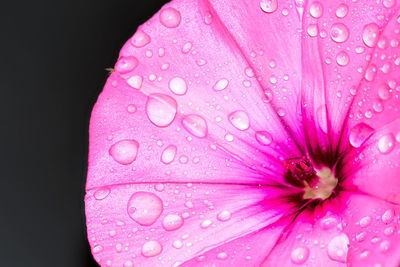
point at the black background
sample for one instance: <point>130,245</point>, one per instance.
<point>52,68</point>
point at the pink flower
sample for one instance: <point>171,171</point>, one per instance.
<point>250,133</point>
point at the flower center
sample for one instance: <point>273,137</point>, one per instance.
<point>316,183</point>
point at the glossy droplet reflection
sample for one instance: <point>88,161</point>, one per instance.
<point>221,85</point>
<point>264,138</point>
<point>359,134</point>
<point>342,58</point>
<point>168,155</point>
<point>151,248</point>
<point>299,255</point>
<point>172,222</point>
<point>161,109</point>
<point>140,39</point>
<point>170,17</point>
<point>124,151</point>
<point>240,120</point>
<point>316,9</point>
<point>386,143</point>
<point>339,33</point>
<point>269,6</point>
<point>370,35</point>
<point>126,64</point>
<point>144,208</point>
<point>342,11</point>
<point>102,193</point>
<point>178,86</point>
<point>338,248</point>
<point>195,125</point>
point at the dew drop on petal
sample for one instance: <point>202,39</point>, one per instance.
<point>386,143</point>
<point>384,92</point>
<point>221,85</point>
<point>322,118</point>
<point>389,3</point>
<point>205,224</point>
<point>178,86</point>
<point>97,249</point>
<point>126,64</point>
<point>195,125</point>
<point>342,11</point>
<point>170,17</point>
<point>124,151</point>
<point>359,134</point>
<point>144,208</point>
<point>240,120</point>
<point>365,221</point>
<point>342,58</point>
<point>102,193</point>
<point>172,222</point>
<point>168,155</point>
<point>208,18</point>
<point>135,81</point>
<point>370,34</point>
<point>224,216</point>
<point>161,109</point>
<point>299,255</point>
<point>339,33</point>
<point>140,39</point>
<point>312,30</point>
<point>370,73</point>
<point>151,248</point>
<point>338,248</point>
<point>269,6</point>
<point>264,138</point>
<point>388,216</point>
<point>328,223</point>
<point>316,9</point>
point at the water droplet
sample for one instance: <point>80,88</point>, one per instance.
<point>102,193</point>
<point>240,120</point>
<point>299,255</point>
<point>151,248</point>
<point>208,19</point>
<point>126,64</point>
<point>168,155</point>
<point>365,221</point>
<point>338,248</point>
<point>316,9</point>
<point>124,151</point>
<point>264,138</point>
<point>144,207</point>
<point>178,86</point>
<point>328,223</point>
<point>342,11</point>
<point>97,249</point>
<point>269,6</point>
<point>177,244</point>
<point>339,33</point>
<point>195,125</point>
<point>172,222</point>
<point>140,39</point>
<point>386,143</point>
<point>205,224</point>
<point>384,92</point>
<point>221,85</point>
<point>281,112</point>
<point>342,58</point>
<point>224,216</point>
<point>322,118</point>
<point>312,30</point>
<point>161,109</point>
<point>370,34</point>
<point>135,81</point>
<point>359,134</point>
<point>370,73</point>
<point>170,17</point>
<point>384,246</point>
<point>389,3</point>
<point>388,216</point>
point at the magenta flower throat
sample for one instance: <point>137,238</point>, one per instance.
<point>250,133</point>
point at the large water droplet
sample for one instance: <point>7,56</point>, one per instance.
<point>126,64</point>
<point>151,248</point>
<point>384,92</point>
<point>316,9</point>
<point>124,151</point>
<point>135,81</point>
<point>170,17</point>
<point>140,39</point>
<point>386,143</point>
<point>195,125</point>
<point>370,34</point>
<point>389,3</point>
<point>224,216</point>
<point>102,193</point>
<point>221,85</point>
<point>172,222</point>
<point>178,86</point>
<point>144,207</point>
<point>269,6</point>
<point>240,120</point>
<point>299,255</point>
<point>342,11</point>
<point>168,155</point>
<point>359,134</point>
<point>161,109</point>
<point>264,138</point>
<point>338,248</point>
<point>339,33</point>
<point>342,58</point>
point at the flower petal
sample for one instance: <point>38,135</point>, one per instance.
<point>164,224</point>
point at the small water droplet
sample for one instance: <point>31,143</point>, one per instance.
<point>312,30</point>
<point>135,81</point>
<point>322,118</point>
<point>386,143</point>
<point>161,109</point>
<point>205,224</point>
<point>240,120</point>
<point>338,248</point>
<point>126,64</point>
<point>342,58</point>
<point>342,11</point>
<point>222,255</point>
<point>269,6</point>
<point>370,34</point>
<point>328,223</point>
<point>172,222</point>
<point>359,134</point>
<point>370,73</point>
<point>170,17</point>
<point>208,18</point>
<point>221,85</point>
<point>168,155</point>
<point>388,216</point>
<point>299,255</point>
<point>224,216</point>
<point>140,39</point>
<point>264,138</point>
<point>178,86</point>
<point>102,193</point>
<point>384,92</point>
<point>151,248</point>
<point>389,3</point>
<point>365,221</point>
<point>195,125</point>
<point>316,9</point>
<point>144,207</point>
<point>97,249</point>
<point>339,33</point>
<point>124,151</point>
<point>384,246</point>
